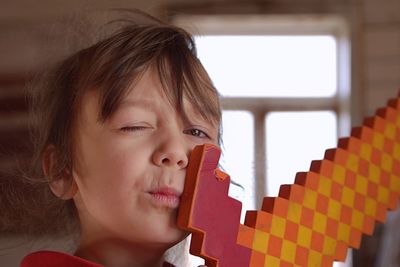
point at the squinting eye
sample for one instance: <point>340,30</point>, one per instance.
<point>197,133</point>
<point>133,128</point>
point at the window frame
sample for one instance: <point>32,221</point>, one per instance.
<point>333,25</point>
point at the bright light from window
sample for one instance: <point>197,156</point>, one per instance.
<point>237,160</point>
<point>293,140</point>
<point>270,66</point>
<point>238,155</point>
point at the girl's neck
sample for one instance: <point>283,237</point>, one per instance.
<point>116,253</point>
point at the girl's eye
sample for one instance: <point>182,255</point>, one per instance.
<point>197,133</point>
<point>133,128</point>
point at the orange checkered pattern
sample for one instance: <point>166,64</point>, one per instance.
<point>315,220</point>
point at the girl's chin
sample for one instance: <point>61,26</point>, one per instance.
<point>169,237</point>
<point>176,236</point>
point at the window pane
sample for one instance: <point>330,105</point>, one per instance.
<point>238,155</point>
<point>270,66</point>
<point>293,140</point>
<point>237,160</point>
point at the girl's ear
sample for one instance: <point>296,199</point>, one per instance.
<point>65,187</point>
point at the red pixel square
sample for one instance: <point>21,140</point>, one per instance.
<point>275,249</point>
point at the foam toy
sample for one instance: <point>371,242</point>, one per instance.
<point>312,222</point>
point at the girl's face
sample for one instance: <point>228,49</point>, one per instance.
<point>130,169</point>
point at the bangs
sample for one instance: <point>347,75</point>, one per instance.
<point>183,77</point>
<point>121,60</point>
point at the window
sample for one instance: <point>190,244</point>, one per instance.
<point>285,89</point>
<point>261,64</point>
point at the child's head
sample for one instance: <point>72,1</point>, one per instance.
<point>115,123</point>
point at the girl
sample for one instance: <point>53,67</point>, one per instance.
<point>115,123</point>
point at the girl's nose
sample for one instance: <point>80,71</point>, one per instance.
<point>172,153</point>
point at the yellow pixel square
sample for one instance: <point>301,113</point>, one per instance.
<point>370,207</point>
<point>319,223</point>
<point>334,208</point>
<point>304,236</point>
<point>278,226</point>
<point>383,194</point>
<point>324,186</point>
<point>390,131</point>
<point>260,241</point>
<point>329,246</point>
<point>343,232</point>
<point>315,258</point>
<point>288,251</point>
<point>387,162</point>
<point>310,199</point>
<point>348,196</point>
<point>378,141</point>
<point>339,174</point>
<point>366,151</point>
<point>394,184</point>
<point>361,185</point>
<point>357,219</point>
<point>352,162</point>
<point>294,212</point>
<point>374,173</point>
<point>396,151</point>
<point>271,261</point>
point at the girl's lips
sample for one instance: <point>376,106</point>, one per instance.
<point>165,197</point>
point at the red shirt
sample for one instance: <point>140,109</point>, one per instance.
<point>59,259</point>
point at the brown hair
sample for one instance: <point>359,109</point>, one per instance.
<point>111,66</point>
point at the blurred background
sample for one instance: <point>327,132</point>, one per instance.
<point>294,76</point>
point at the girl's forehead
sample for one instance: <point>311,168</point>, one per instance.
<point>155,99</point>
<point>144,96</point>
<point>149,91</point>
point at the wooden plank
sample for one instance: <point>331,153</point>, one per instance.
<point>15,142</point>
<point>13,104</point>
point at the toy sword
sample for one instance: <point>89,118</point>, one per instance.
<point>311,222</point>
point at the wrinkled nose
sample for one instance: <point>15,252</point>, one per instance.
<point>172,153</point>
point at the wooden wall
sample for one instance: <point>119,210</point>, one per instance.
<point>381,57</point>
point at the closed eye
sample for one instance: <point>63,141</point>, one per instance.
<point>134,128</point>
